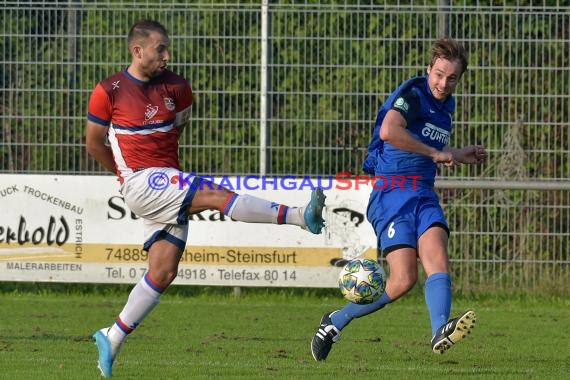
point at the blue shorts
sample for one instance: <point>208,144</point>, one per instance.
<point>399,217</point>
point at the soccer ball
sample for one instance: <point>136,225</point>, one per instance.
<point>362,281</point>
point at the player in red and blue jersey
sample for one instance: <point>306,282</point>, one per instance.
<point>144,118</point>
<point>141,112</point>
<point>410,139</point>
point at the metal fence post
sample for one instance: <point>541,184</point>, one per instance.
<point>264,89</point>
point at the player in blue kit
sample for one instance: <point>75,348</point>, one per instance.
<point>410,139</point>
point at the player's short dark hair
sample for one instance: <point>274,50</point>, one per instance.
<point>143,28</point>
<point>450,50</point>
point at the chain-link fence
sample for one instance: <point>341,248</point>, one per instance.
<point>294,89</point>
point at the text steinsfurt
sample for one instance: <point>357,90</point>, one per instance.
<point>341,181</point>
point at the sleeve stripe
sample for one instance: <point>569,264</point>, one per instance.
<point>97,120</point>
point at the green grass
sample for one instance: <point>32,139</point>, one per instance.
<point>265,334</point>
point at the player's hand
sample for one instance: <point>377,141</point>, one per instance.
<point>472,154</point>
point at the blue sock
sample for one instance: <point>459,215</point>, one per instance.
<point>352,310</point>
<point>438,299</point>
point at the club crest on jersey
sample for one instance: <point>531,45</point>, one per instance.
<point>169,104</point>
<point>150,111</point>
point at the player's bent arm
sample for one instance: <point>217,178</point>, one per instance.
<point>393,131</point>
<point>95,138</point>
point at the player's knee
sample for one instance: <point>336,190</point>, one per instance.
<point>400,285</point>
<point>163,278</point>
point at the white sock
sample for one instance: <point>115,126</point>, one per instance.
<point>247,208</point>
<point>142,299</point>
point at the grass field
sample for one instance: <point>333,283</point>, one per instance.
<point>265,334</point>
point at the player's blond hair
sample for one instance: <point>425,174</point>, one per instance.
<point>450,50</point>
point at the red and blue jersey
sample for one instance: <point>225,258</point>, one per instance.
<point>142,118</point>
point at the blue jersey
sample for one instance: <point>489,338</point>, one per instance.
<point>400,215</point>
<point>429,121</point>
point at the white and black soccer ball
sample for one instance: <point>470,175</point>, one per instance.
<point>362,281</point>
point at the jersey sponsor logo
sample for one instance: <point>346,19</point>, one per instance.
<point>401,104</point>
<point>150,112</point>
<point>435,133</point>
<point>169,104</point>
<point>116,84</point>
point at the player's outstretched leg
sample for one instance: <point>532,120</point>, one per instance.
<point>313,212</point>
<point>326,335</point>
<point>105,363</point>
<point>453,331</point>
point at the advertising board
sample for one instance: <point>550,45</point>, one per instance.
<point>79,229</point>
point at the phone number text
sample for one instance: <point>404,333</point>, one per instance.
<point>206,276</point>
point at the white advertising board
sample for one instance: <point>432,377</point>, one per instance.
<point>78,229</point>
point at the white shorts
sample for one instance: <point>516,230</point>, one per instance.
<point>161,196</point>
